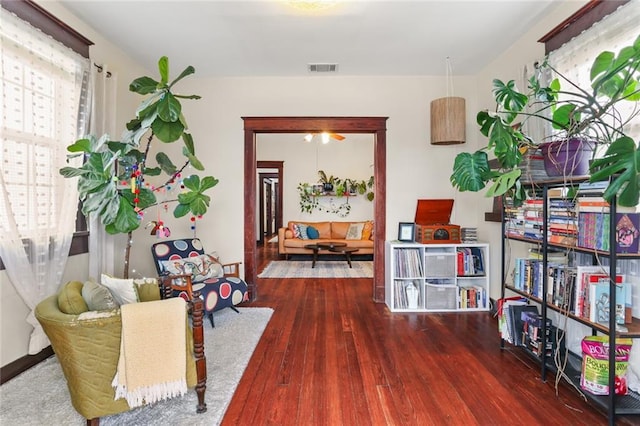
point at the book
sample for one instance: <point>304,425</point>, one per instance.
<point>517,318</point>
<point>581,287</point>
<point>599,300</point>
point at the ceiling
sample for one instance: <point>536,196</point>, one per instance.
<point>272,38</point>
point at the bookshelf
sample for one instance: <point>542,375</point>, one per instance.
<point>436,277</point>
<point>556,286</point>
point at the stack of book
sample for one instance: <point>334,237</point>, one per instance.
<point>469,235</point>
<point>532,166</point>
<point>469,261</point>
<point>563,223</point>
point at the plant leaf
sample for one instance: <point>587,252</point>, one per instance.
<point>504,183</point>
<point>208,182</point>
<point>165,163</point>
<point>181,210</point>
<point>167,132</point>
<point>193,160</point>
<point>70,172</point>
<point>621,163</point>
<point>81,145</point>
<point>469,171</point>
<point>188,143</point>
<point>187,71</point>
<point>192,182</point>
<point>143,85</point>
<point>126,219</point>
<point>163,68</point>
<point>169,108</point>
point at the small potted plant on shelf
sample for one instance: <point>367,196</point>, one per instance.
<point>327,182</point>
<point>581,118</point>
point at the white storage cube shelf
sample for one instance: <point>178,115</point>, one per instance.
<point>433,270</point>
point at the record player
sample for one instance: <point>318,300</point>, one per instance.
<point>432,223</point>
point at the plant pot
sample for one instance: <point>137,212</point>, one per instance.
<point>567,157</point>
<point>328,187</point>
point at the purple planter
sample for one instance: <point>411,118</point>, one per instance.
<point>567,157</point>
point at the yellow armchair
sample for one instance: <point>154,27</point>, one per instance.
<point>88,348</point>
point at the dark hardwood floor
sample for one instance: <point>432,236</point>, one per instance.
<point>331,356</point>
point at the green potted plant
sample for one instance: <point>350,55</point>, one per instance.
<point>326,181</point>
<point>112,180</point>
<point>582,116</point>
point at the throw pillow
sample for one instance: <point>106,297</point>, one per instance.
<point>303,231</point>
<point>70,299</point>
<point>367,230</point>
<point>296,231</point>
<point>148,289</point>
<point>312,233</point>
<point>200,267</point>
<point>123,290</point>
<point>355,231</point>
<point>98,297</point>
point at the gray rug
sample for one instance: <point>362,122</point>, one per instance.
<point>39,396</point>
<point>323,269</point>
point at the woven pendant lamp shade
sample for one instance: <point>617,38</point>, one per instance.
<point>448,121</point>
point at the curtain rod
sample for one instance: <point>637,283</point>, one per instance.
<point>100,68</point>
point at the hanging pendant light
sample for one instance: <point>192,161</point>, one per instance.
<point>448,118</point>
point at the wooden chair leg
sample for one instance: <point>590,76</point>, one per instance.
<point>198,346</point>
<point>93,422</point>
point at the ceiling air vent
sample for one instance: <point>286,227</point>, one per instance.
<point>322,68</point>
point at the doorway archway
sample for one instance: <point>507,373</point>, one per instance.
<point>372,125</point>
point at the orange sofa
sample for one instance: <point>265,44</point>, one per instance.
<point>328,231</point>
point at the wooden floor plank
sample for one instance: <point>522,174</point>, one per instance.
<point>331,356</point>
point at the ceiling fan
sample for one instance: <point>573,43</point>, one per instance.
<point>325,137</point>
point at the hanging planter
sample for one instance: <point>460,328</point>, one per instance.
<point>567,157</point>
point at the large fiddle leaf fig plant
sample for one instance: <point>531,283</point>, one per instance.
<point>573,112</point>
<point>112,180</point>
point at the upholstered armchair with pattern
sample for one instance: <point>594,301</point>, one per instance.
<point>184,265</point>
<point>87,344</point>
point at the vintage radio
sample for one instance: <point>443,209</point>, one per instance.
<point>432,223</point>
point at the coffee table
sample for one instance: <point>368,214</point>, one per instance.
<point>329,245</point>
<point>346,251</point>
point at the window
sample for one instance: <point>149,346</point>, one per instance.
<point>614,31</point>
<point>43,84</point>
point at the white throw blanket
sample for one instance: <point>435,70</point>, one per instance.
<point>152,364</point>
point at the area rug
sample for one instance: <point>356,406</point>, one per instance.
<point>323,269</point>
<point>39,396</point>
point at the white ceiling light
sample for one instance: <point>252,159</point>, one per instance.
<point>312,5</point>
<point>325,138</point>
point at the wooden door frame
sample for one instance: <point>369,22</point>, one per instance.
<point>370,125</point>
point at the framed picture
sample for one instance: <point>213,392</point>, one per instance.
<point>406,231</point>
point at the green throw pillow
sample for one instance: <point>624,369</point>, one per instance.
<point>98,297</point>
<point>148,289</point>
<point>70,299</point>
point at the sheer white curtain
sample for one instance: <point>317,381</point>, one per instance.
<point>613,32</point>
<point>44,85</point>
<point>103,110</point>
